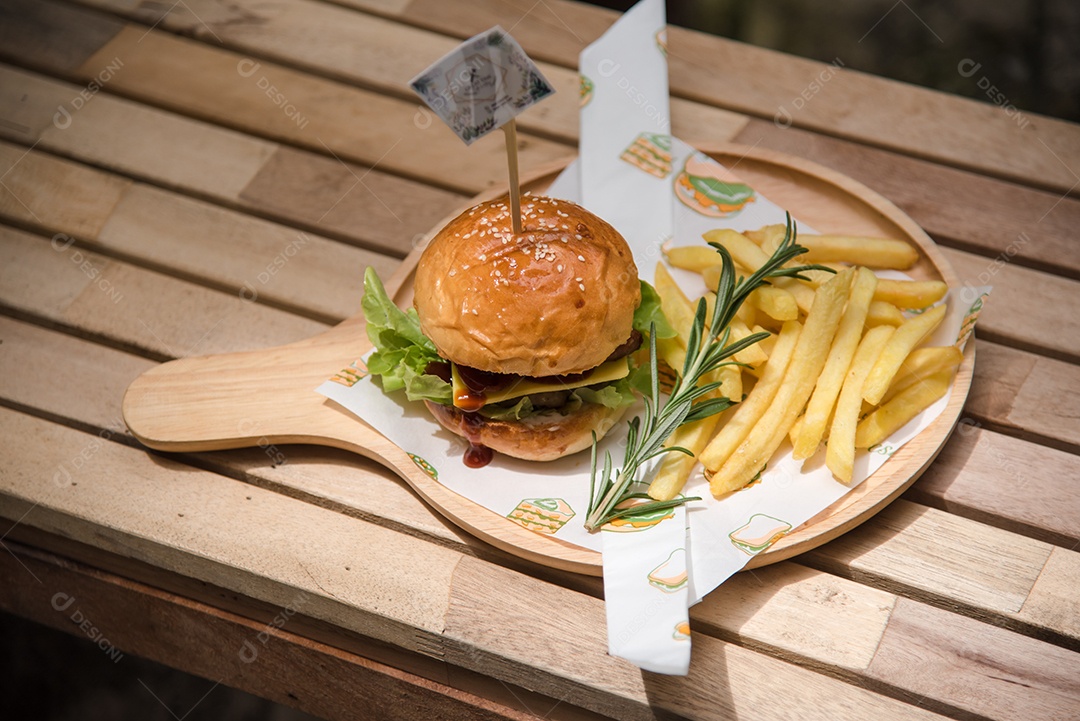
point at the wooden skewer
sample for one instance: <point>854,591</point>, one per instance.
<point>510,131</point>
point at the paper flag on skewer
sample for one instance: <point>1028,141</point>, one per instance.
<point>481,84</point>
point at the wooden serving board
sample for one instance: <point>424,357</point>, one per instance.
<point>267,396</point>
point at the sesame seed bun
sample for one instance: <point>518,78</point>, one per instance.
<point>542,437</point>
<point>559,298</point>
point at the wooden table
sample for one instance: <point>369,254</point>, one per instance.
<point>216,177</point>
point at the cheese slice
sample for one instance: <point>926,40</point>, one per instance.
<point>604,373</point>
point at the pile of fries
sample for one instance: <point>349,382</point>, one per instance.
<point>842,364</point>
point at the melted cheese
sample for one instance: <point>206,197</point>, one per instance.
<point>604,373</point>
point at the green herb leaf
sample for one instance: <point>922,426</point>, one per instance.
<point>706,351</point>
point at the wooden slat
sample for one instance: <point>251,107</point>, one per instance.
<point>933,653</point>
<point>45,27</point>
<point>1053,602</point>
<point>133,307</point>
<point>947,560</point>
<point>1027,308</point>
<point>1020,224</point>
<point>321,115</point>
<point>1003,364</point>
<point>298,187</point>
<point>218,530</point>
<point>240,254</point>
<point>188,521</point>
<point>1027,395</point>
<point>799,614</point>
<point>379,54</point>
<point>1005,482</point>
<point>914,121</point>
<point>796,612</point>
<point>811,617</point>
<point>34,358</point>
<point>200,639</point>
<point>78,201</point>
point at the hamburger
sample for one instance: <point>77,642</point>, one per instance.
<point>520,343</point>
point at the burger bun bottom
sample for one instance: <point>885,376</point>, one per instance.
<point>542,437</point>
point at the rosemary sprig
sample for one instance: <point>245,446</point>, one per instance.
<point>707,349</point>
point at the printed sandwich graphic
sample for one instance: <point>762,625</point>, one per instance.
<point>642,522</point>
<point>670,576</point>
<point>651,152</point>
<point>585,90</point>
<point>710,189</point>
<point>543,515</point>
<point>758,533</point>
<point>350,376</point>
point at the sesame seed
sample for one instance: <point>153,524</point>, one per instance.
<point>579,285</point>
<point>559,267</point>
<point>580,257</point>
<point>483,257</point>
<point>475,313</point>
<point>578,237</point>
<point>452,272</point>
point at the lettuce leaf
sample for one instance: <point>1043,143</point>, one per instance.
<point>402,354</point>
<point>649,312</point>
<point>522,408</point>
<point>402,351</point>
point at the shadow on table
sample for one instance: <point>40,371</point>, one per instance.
<point>48,675</point>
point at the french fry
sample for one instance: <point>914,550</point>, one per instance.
<point>694,257</point>
<point>922,363</point>
<point>745,253</point>
<point>731,385</point>
<point>752,356</point>
<point>765,437</point>
<point>804,294</point>
<point>672,352</point>
<point>772,234</point>
<point>816,277</point>
<point>711,275</point>
<point>765,344</point>
<point>872,252</point>
<point>907,404</point>
<point>840,454</point>
<point>913,332</point>
<point>796,429</point>
<point>836,366</point>
<point>747,314</point>
<point>775,302</point>
<point>912,294</point>
<point>680,313</point>
<point>749,412</point>
<point>677,307</point>
<point>742,249</point>
<point>882,313</point>
<point>676,467</point>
